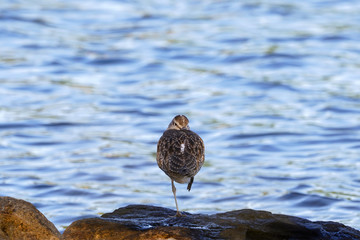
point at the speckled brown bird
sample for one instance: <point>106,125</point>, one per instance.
<point>180,153</point>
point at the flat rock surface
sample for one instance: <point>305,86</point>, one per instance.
<point>21,220</point>
<point>150,222</point>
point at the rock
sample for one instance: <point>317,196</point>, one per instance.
<point>21,220</point>
<point>149,222</point>
<point>98,228</point>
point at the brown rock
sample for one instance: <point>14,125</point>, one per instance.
<point>21,220</point>
<point>149,222</point>
<point>98,228</point>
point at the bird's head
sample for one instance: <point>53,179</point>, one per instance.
<point>179,122</point>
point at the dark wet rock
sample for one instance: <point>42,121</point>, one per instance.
<point>21,220</point>
<point>149,222</point>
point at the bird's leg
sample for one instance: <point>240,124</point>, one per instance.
<point>190,183</point>
<point>178,214</point>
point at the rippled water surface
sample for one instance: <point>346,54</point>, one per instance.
<point>88,87</point>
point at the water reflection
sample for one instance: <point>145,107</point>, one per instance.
<point>88,87</point>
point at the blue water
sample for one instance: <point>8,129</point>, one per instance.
<point>88,87</point>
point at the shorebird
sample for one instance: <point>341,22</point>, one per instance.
<point>180,153</point>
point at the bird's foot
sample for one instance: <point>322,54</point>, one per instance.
<point>178,214</point>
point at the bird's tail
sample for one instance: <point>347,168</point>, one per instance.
<point>190,183</point>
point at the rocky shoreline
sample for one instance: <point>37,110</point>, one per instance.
<point>21,220</point>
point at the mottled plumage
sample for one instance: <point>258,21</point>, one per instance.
<point>180,153</point>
